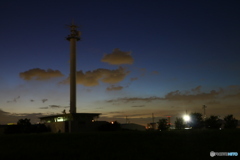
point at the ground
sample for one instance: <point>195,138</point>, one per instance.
<point>186,144</point>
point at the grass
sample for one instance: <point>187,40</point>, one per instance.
<point>187,144</point>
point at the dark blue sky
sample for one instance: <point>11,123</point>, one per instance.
<point>189,46</point>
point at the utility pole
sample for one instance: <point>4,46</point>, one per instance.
<point>153,117</point>
<point>127,120</point>
<point>204,111</point>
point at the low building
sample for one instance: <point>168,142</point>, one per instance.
<point>152,126</point>
<point>72,122</point>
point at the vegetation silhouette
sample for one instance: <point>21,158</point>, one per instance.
<point>25,126</point>
<point>230,122</point>
<point>213,122</point>
<point>24,122</point>
<point>196,121</point>
<point>163,124</point>
<point>179,123</point>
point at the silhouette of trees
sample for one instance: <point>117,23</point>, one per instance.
<point>230,122</point>
<point>179,123</point>
<point>196,121</point>
<point>24,125</point>
<point>163,124</point>
<point>24,122</point>
<point>213,122</point>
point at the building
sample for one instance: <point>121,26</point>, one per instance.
<point>152,126</point>
<point>72,122</point>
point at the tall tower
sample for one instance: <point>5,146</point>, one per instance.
<point>73,38</point>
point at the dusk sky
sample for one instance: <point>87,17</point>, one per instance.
<point>135,58</point>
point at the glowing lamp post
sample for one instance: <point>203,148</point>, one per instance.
<point>186,118</point>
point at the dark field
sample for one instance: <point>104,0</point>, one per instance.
<point>186,144</point>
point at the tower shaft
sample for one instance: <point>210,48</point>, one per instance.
<point>73,38</point>
<point>73,77</point>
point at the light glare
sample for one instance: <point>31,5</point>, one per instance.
<point>186,118</point>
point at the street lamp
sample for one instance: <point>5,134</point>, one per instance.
<point>186,118</point>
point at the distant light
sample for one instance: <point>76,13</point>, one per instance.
<point>59,119</point>
<point>12,124</point>
<point>186,118</point>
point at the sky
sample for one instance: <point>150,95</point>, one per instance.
<point>135,58</point>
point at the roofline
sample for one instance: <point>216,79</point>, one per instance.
<point>57,115</point>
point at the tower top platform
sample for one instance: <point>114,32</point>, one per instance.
<point>75,34</point>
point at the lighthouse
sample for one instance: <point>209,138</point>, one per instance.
<point>73,38</point>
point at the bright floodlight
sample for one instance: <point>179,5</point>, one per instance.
<point>186,118</point>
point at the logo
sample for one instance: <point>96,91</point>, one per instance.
<point>212,154</point>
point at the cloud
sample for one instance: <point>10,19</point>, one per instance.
<point>178,96</point>
<point>134,79</point>
<point>43,108</point>
<point>197,89</point>
<point>115,112</point>
<point>92,78</point>
<point>234,87</point>
<point>143,71</point>
<point>14,99</point>
<point>44,100</point>
<point>155,72</point>
<point>194,95</point>
<point>40,74</point>
<point>3,112</point>
<point>232,96</point>
<point>233,92</point>
<point>114,88</point>
<point>7,117</point>
<point>133,99</point>
<point>55,106</point>
<point>88,90</point>
<point>131,80</point>
<point>118,57</point>
<point>213,102</point>
<point>139,106</point>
